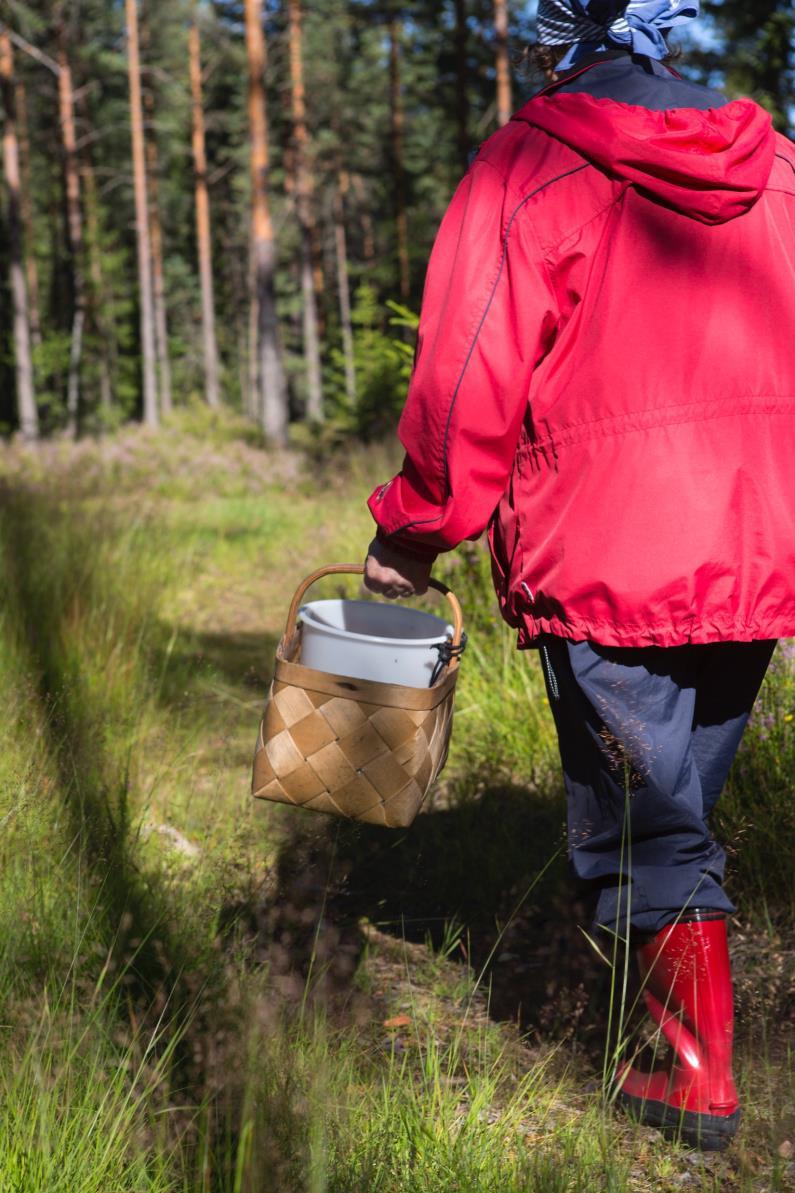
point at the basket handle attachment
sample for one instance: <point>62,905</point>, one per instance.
<point>357,569</point>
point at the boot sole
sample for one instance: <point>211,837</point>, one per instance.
<point>707,1132</point>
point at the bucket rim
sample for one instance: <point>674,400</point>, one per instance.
<point>379,641</point>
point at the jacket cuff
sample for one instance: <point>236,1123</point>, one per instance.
<point>412,549</point>
<point>391,518</point>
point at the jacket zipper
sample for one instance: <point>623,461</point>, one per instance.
<point>551,677</point>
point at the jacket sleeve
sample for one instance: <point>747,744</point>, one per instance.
<point>488,318</point>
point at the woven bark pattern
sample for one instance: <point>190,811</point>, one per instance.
<point>364,761</point>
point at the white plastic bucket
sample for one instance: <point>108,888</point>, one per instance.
<point>372,640</point>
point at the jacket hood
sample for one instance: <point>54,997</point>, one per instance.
<point>710,165</point>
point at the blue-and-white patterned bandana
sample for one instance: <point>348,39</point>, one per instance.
<point>594,25</point>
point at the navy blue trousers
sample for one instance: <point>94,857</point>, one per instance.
<point>647,736</point>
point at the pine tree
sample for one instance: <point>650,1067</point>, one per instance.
<point>304,200</point>
<point>156,237</point>
<point>74,214</point>
<point>343,286</point>
<point>503,68</point>
<point>757,56</point>
<point>461,43</point>
<point>397,127</point>
<point>357,133</point>
<point>99,297</point>
<point>272,382</point>
<point>150,403</point>
<point>211,386</point>
<point>26,211</point>
<point>26,398</point>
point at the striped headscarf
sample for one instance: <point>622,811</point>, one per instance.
<point>639,25</point>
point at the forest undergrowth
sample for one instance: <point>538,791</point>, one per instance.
<point>198,993</point>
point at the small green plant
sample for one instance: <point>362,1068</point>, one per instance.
<point>504,729</point>
<point>382,366</point>
<point>756,814</point>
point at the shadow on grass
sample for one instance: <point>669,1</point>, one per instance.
<point>475,863</point>
<point>491,866</point>
<point>171,991</point>
<point>189,657</point>
<point>45,587</point>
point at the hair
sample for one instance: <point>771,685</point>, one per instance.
<point>543,60</point>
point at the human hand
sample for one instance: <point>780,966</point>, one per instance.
<point>389,572</point>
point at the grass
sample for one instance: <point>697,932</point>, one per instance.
<point>197,993</point>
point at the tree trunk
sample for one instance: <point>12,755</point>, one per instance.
<point>397,123</point>
<point>26,398</point>
<point>318,273</point>
<point>74,222</point>
<point>254,396</point>
<point>462,84</point>
<point>368,227</point>
<point>151,414</point>
<point>272,381</point>
<point>99,300</point>
<point>158,275</point>
<point>211,388</point>
<point>343,287</point>
<point>304,198</point>
<point>26,211</point>
<point>504,97</point>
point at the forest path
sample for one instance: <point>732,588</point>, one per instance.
<point>243,557</point>
<point>239,558</point>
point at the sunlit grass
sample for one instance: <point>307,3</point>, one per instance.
<point>149,1039</point>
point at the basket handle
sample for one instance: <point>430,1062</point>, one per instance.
<point>357,569</point>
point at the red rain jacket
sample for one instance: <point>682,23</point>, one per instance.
<point>605,375</point>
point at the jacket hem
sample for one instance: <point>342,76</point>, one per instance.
<point>694,632</point>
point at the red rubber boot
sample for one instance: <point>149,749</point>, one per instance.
<point>687,988</point>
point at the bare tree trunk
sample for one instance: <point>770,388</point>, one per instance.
<point>26,211</point>
<point>343,286</point>
<point>238,312</point>
<point>462,83</point>
<point>211,388</point>
<point>158,275</point>
<point>159,296</point>
<point>254,397</point>
<point>318,272</point>
<point>74,220</point>
<point>272,381</point>
<point>26,399</point>
<point>151,413</point>
<point>397,121</point>
<point>304,205</point>
<point>504,97</point>
<point>103,322</point>
<point>368,227</point>
<point>243,377</point>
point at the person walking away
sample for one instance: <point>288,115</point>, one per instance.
<point>605,378</point>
